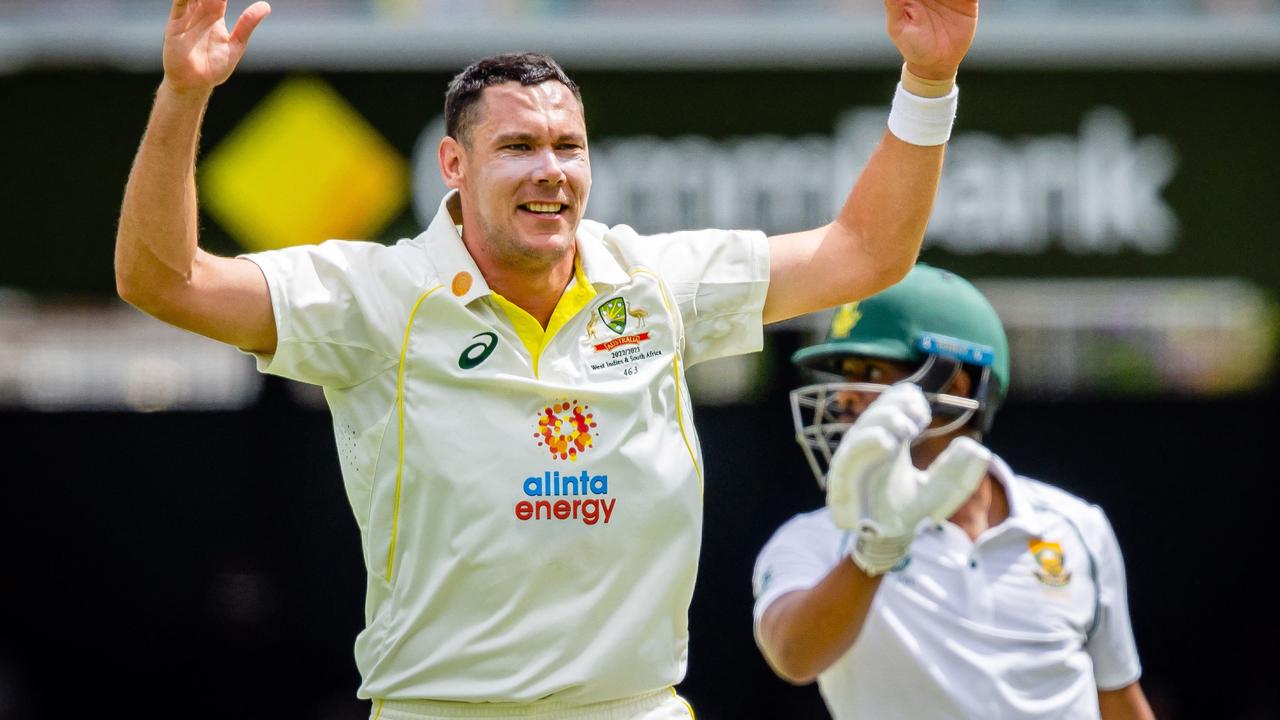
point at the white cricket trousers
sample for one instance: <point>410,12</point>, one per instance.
<point>661,705</point>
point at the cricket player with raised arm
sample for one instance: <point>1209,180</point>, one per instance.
<point>509,386</point>
<point>937,583</point>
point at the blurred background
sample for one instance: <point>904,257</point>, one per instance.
<point>176,538</point>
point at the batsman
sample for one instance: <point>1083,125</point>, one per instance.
<point>937,583</point>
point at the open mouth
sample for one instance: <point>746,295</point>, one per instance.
<point>544,209</point>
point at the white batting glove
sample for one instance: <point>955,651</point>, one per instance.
<point>873,489</point>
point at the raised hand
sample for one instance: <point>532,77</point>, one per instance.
<point>932,35</point>
<point>199,53</point>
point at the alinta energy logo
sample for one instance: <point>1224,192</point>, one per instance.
<point>552,496</point>
<point>566,428</point>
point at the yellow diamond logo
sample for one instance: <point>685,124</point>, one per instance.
<point>303,167</point>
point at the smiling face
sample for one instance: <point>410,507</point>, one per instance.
<point>523,174</point>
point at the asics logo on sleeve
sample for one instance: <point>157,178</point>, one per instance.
<point>478,352</point>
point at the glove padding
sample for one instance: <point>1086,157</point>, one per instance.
<point>873,489</point>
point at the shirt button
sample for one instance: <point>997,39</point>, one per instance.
<point>461,283</point>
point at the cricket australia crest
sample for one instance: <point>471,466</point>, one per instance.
<point>629,347</point>
<point>614,315</point>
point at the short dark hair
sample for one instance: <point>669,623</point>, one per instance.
<point>465,89</point>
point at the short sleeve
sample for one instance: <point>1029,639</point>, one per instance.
<point>719,279</point>
<point>334,321</point>
<point>798,555</point>
<point>1111,645</point>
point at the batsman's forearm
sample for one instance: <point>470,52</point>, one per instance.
<point>1127,703</point>
<point>156,240</point>
<point>803,633</point>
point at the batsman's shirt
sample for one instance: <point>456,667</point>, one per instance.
<point>530,503</point>
<point>1028,622</point>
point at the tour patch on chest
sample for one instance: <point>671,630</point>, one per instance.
<point>619,337</point>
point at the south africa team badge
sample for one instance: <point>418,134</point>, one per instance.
<point>1049,557</point>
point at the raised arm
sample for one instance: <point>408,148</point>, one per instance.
<point>159,267</point>
<point>876,237</point>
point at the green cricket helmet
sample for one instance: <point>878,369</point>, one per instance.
<point>933,320</point>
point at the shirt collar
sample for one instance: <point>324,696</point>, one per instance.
<point>449,256</point>
<point>598,264</point>
<point>454,265</point>
<point>1021,514</point>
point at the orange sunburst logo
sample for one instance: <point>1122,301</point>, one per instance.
<point>565,428</point>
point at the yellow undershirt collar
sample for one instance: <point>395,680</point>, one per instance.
<point>576,296</point>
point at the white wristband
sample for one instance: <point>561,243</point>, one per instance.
<point>920,120</point>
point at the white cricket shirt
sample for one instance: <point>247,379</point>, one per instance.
<point>530,503</point>
<point>1027,622</point>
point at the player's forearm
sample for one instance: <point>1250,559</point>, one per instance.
<point>156,239</point>
<point>881,225</point>
<point>804,632</point>
<point>871,245</point>
<point>1127,703</point>
<point>885,215</point>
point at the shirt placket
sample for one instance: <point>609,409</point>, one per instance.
<point>970,562</point>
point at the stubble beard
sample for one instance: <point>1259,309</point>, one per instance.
<point>507,249</point>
